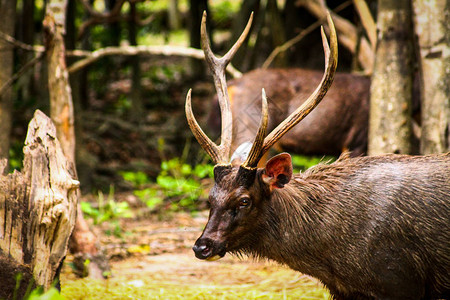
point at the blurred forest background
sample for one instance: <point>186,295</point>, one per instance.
<point>115,86</point>
<point>129,109</point>
<point>131,62</point>
<point>128,101</point>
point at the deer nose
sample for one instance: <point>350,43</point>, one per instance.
<point>201,250</point>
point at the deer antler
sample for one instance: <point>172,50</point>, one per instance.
<point>261,145</point>
<point>219,153</point>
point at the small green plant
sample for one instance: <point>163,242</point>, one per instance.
<point>138,179</point>
<point>37,293</point>
<point>178,185</point>
<point>51,294</point>
<point>107,209</point>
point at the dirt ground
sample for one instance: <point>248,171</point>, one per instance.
<point>156,254</point>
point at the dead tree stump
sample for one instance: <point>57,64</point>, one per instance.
<point>37,212</point>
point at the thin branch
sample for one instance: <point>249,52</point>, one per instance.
<point>298,37</point>
<point>19,44</point>
<point>22,70</point>
<point>100,17</point>
<point>347,33</point>
<point>98,20</point>
<point>91,57</point>
<point>367,20</point>
<point>290,43</point>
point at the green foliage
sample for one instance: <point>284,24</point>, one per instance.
<point>123,105</point>
<point>301,162</point>
<point>224,10</point>
<point>138,179</point>
<point>37,293</point>
<point>277,285</point>
<point>51,294</point>
<point>178,185</point>
<point>15,157</point>
<point>107,209</point>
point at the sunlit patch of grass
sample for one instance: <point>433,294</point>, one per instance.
<point>300,288</point>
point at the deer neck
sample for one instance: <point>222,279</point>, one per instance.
<point>296,234</point>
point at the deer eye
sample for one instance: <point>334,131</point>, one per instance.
<point>244,202</point>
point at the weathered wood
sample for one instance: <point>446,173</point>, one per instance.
<point>390,129</point>
<point>37,211</point>
<point>61,112</point>
<point>434,50</point>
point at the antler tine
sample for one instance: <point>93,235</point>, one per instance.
<point>256,152</point>
<point>315,98</point>
<point>209,146</point>
<point>217,67</point>
<point>219,153</point>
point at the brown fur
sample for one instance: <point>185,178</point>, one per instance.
<point>368,228</point>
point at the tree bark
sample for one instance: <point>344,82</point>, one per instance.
<point>241,58</point>
<point>391,88</point>
<point>196,8</point>
<point>37,211</point>
<point>432,23</point>
<point>61,105</point>
<point>8,9</point>
<point>174,15</point>
<point>278,32</point>
<point>62,114</point>
<point>137,105</point>
<point>27,30</point>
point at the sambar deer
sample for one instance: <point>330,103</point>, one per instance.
<point>368,227</point>
<point>339,124</point>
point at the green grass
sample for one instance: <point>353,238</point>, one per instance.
<point>148,289</point>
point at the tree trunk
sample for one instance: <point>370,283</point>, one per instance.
<point>432,23</point>
<point>61,110</point>
<point>113,27</point>
<point>391,88</point>
<point>27,30</point>
<point>37,212</point>
<point>8,9</point>
<point>137,105</point>
<point>241,59</point>
<point>278,32</point>
<point>61,105</point>
<point>196,8</point>
<point>174,15</point>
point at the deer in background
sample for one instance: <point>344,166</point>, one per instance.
<point>367,227</point>
<point>340,124</point>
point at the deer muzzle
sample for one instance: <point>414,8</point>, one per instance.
<point>208,249</point>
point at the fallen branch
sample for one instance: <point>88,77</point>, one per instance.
<point>93,56</point>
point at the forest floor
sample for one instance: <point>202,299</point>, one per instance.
<point>151,258</point>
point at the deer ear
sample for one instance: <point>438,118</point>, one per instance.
<point>278,171</point>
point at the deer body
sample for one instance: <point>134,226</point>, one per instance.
<point>339,123</point>
<point>370,227</point>
<point>367,227</point>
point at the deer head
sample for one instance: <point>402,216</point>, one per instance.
<point>240,192</point>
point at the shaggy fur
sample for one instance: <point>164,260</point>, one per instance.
<point>368,227</point>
